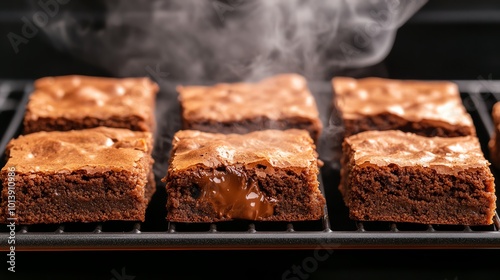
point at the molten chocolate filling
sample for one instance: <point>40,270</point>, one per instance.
<point>234,195</point>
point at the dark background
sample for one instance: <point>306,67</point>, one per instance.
<point>444,40</point>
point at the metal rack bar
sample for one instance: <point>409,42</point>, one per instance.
<point>252,235</point>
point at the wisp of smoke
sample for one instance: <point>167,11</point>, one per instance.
<point>216,40</point>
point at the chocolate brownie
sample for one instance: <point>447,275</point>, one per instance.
<point>494,143</point>
<point>89,175</point>
<point>280,102</point>
<point>428,108</point>
<point>78,102</point>
<point>268,175</point>
<point>403,177</point>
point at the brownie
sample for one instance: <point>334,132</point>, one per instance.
<point>90,175</point>
<point>279,102</point>
<point>403,177</point>
<point>494,143</point>
<point>267,175</point>
<point>78,102</point>
<point>427,108</point>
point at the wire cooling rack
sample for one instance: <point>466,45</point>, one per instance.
<point>334,230</point>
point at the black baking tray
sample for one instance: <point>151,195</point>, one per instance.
<point>334,231</point>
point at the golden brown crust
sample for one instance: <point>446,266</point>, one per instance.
<point>279,97</point>
<point>412,100</point>
<point>77,97</point>
<point>274,148</point>
<point>445,155</point>
<point>93,150</point>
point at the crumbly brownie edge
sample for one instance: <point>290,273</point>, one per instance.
<point>135,123</point>
<point>297,195</point>
<point>421,195</point>
<point>393,122</point>
<point>313,126</point>
<point>346,164</point>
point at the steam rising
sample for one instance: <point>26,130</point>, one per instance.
<point>215,40</point>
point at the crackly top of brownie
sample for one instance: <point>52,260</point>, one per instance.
<point>277,97</point>
<point>410,99</point>
<point>291,148</point>
<point>94,150</point>
<point>407,149</point>
<point>77,96</point>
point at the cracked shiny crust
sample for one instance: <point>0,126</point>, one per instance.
<point>423,107</point>
<point>272,101</point>
<point>445,155</point>
<point>93,150</point>
<point>77,102</point>
<point>274,148</point>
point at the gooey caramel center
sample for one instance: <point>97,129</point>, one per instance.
<point>234,195</point>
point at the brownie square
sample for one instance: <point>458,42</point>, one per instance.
<point>268,175</point>
<point>90,175</point>
<point>403,177</point>
<point>78,102</point>
<point>279,102</point>
<point>428,108</point>
<point>494,143</point>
